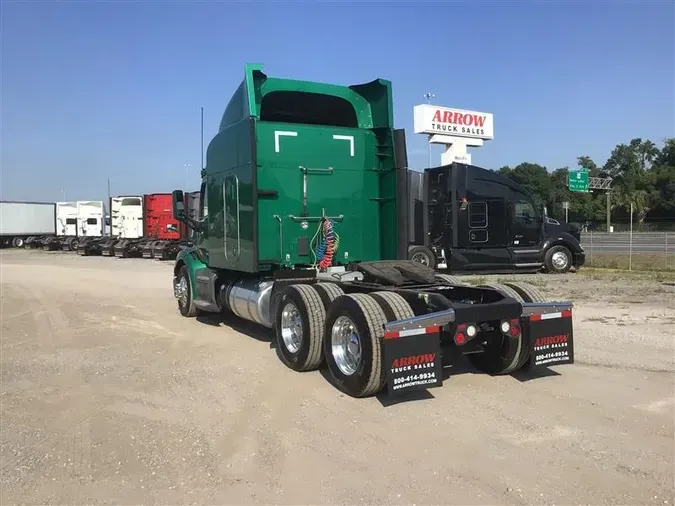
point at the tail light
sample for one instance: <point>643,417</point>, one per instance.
<point>460,334</point>
<point>464,332</point>
<point>514,327</point>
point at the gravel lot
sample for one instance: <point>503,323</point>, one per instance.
<point>110,396</point>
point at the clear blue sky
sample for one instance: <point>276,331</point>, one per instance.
<point>92,90</point>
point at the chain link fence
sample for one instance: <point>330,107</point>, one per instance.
<point>634,251</point>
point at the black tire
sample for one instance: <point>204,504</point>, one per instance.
<point>18,242</point>
<point>151,249</point>
<point>552,265</point>
<point>119,249</point>
<point>448,279</point>
<point>393,305</point>
<point>528,292</point>
<point>423,255</point>
<point>310,310</point>
<point>504,290</point>
<point>328,293</point>
<point>82,248</point>
<point>188,308</point>
<point>368,319</point>
<point>503,354</point>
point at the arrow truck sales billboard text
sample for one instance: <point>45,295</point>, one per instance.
<point>431,119</point>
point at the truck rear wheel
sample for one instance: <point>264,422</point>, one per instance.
<point>528,292</point>
<point>504,290</point>
<point>423,255</point>
<point>300,318</point>
<point>393,305</point>
<point>448,279</point>
<point>352,345</point>
<point>18,242</point>
<point>328,293</point>
<point>504,354</point>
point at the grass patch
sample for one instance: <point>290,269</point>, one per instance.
<point>639,261</point>
<point>534,280</point>
<point>600,273</point>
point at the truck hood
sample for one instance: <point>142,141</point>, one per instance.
<point>555,227</point>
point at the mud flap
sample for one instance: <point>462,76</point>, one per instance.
<point>551,339</point>
<point>412,360</point>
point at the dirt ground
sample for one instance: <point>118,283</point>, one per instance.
<point>109,396</point>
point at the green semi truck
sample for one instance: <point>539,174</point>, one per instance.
<point>299,230</point>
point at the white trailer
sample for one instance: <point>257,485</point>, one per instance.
<point>22,223</point>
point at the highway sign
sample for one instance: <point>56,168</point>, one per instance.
<point>578,180</point>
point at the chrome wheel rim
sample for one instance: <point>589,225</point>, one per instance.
<point>181,291</point>
<point>420,258</point>
<point>346,345</point>
<point>291,327</point>
<point>559,260</point>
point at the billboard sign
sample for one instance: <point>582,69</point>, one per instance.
<point>431,119</point>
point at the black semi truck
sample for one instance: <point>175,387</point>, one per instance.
<point>464,219</point>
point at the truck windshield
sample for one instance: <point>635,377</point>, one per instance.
<point>308,108</point>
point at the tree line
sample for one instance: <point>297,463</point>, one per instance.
<point>641,172</point>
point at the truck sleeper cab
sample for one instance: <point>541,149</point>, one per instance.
<point>168,249</point>
<point>160,230</point>
<point>469,219</point>
<point>66,229</point>
<point>299,231</point>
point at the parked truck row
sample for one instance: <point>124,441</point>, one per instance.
<point>137,226</point>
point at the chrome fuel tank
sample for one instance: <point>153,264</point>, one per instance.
<point>250,299</point>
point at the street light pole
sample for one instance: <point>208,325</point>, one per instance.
<point>428,96</point>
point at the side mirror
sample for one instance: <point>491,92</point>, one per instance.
<point>178,205</point>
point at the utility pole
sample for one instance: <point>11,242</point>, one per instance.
<point>187,175</point>
<point>609,210</point>
<point>202,148</point>
<point>428,96</point>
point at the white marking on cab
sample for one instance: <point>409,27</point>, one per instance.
<point>349,138</point>
<point>279,133</point>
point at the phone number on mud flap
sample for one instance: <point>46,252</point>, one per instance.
<point>548,356</point>
<point>415,377</point>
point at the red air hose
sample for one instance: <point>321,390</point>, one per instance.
<point>327,259</point>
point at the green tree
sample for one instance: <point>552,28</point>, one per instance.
<point>629,165</point>
<point>642,174</point>
<point>663,179</point>
<point>533,177</point>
